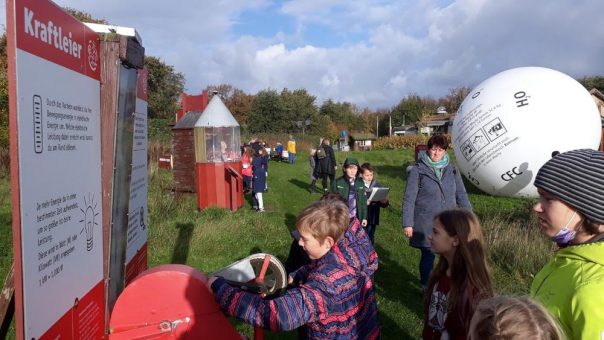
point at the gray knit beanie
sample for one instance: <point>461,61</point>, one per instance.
<point>576,178</point>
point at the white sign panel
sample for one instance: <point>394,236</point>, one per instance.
<point>136,252</point>
<point>59,148</point>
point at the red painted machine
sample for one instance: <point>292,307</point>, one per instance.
<point>172,301</point>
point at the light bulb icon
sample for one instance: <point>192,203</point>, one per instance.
<point>89,221</point>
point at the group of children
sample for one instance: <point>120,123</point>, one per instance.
<point>356,186</point>
<point>333,296</point>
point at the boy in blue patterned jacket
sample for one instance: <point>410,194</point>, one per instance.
<point>333,295</point>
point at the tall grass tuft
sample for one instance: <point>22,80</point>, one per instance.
<point>155,148</point>
<point>516,247</point>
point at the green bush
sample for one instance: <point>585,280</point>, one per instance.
<point>399,142</point>
<point>160,130</point>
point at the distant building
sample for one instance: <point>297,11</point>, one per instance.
<point>359,141</point>
<point>440,122</point>
<point>599,99</point>
<point>405,130</point>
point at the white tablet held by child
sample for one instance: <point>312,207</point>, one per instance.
<point>377,194</point>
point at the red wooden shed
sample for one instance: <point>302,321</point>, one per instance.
<point>183,148</point>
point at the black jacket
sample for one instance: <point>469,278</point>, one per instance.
<point>326,165</point>
<point>373,209</point>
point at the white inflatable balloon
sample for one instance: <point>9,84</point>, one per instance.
<point>510,124</point>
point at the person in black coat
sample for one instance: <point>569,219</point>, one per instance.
<point>325,164</point>
<point>259,166</point>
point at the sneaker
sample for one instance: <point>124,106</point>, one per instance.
<point>260,210</point>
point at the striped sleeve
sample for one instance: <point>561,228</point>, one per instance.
<point>297,307</point>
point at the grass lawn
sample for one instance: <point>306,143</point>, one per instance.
<point>214,238</point>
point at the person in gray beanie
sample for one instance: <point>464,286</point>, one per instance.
<point>571,213</point>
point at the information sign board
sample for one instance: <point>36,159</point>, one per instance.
<point>58,232</point>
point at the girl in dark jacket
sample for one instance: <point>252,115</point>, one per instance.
<point>259,165</point>
<point>367,173</point>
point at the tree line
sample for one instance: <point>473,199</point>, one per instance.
<point>297,111</point>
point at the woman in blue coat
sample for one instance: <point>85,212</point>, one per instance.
<point>433,185</point>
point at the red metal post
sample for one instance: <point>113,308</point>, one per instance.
<point>258,331</point>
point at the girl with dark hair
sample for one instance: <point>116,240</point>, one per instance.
<point>367,174</point>
<point>461,278</point>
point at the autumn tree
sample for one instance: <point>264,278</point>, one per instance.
<point>266,113</point>
<point>299,111</point>
<point>164,86</point>
<point>412,109</point>
<point>345,115</point>
<point>236,100</point>
<point>453,100</point>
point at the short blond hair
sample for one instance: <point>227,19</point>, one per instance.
<point>327,217</point>
<point>506,317</point>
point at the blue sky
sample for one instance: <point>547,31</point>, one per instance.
<point>371,53</point>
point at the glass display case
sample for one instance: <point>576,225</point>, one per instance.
<point>218,144</point>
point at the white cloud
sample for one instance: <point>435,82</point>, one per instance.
<point>402,47</point>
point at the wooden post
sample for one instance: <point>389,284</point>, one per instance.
<point>7,302</point>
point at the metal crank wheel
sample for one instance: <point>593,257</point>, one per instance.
<point>275,277</point>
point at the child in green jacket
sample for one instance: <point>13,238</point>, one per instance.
<point>352,189</point>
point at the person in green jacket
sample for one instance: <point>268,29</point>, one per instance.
<point>571,212</point>
<point>352,189</point>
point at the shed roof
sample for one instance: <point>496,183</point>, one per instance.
<point>188,120</point>
<point>216,114</point>
<point>362,136</point>
<point>596,93</point>
<point>437,120</point>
